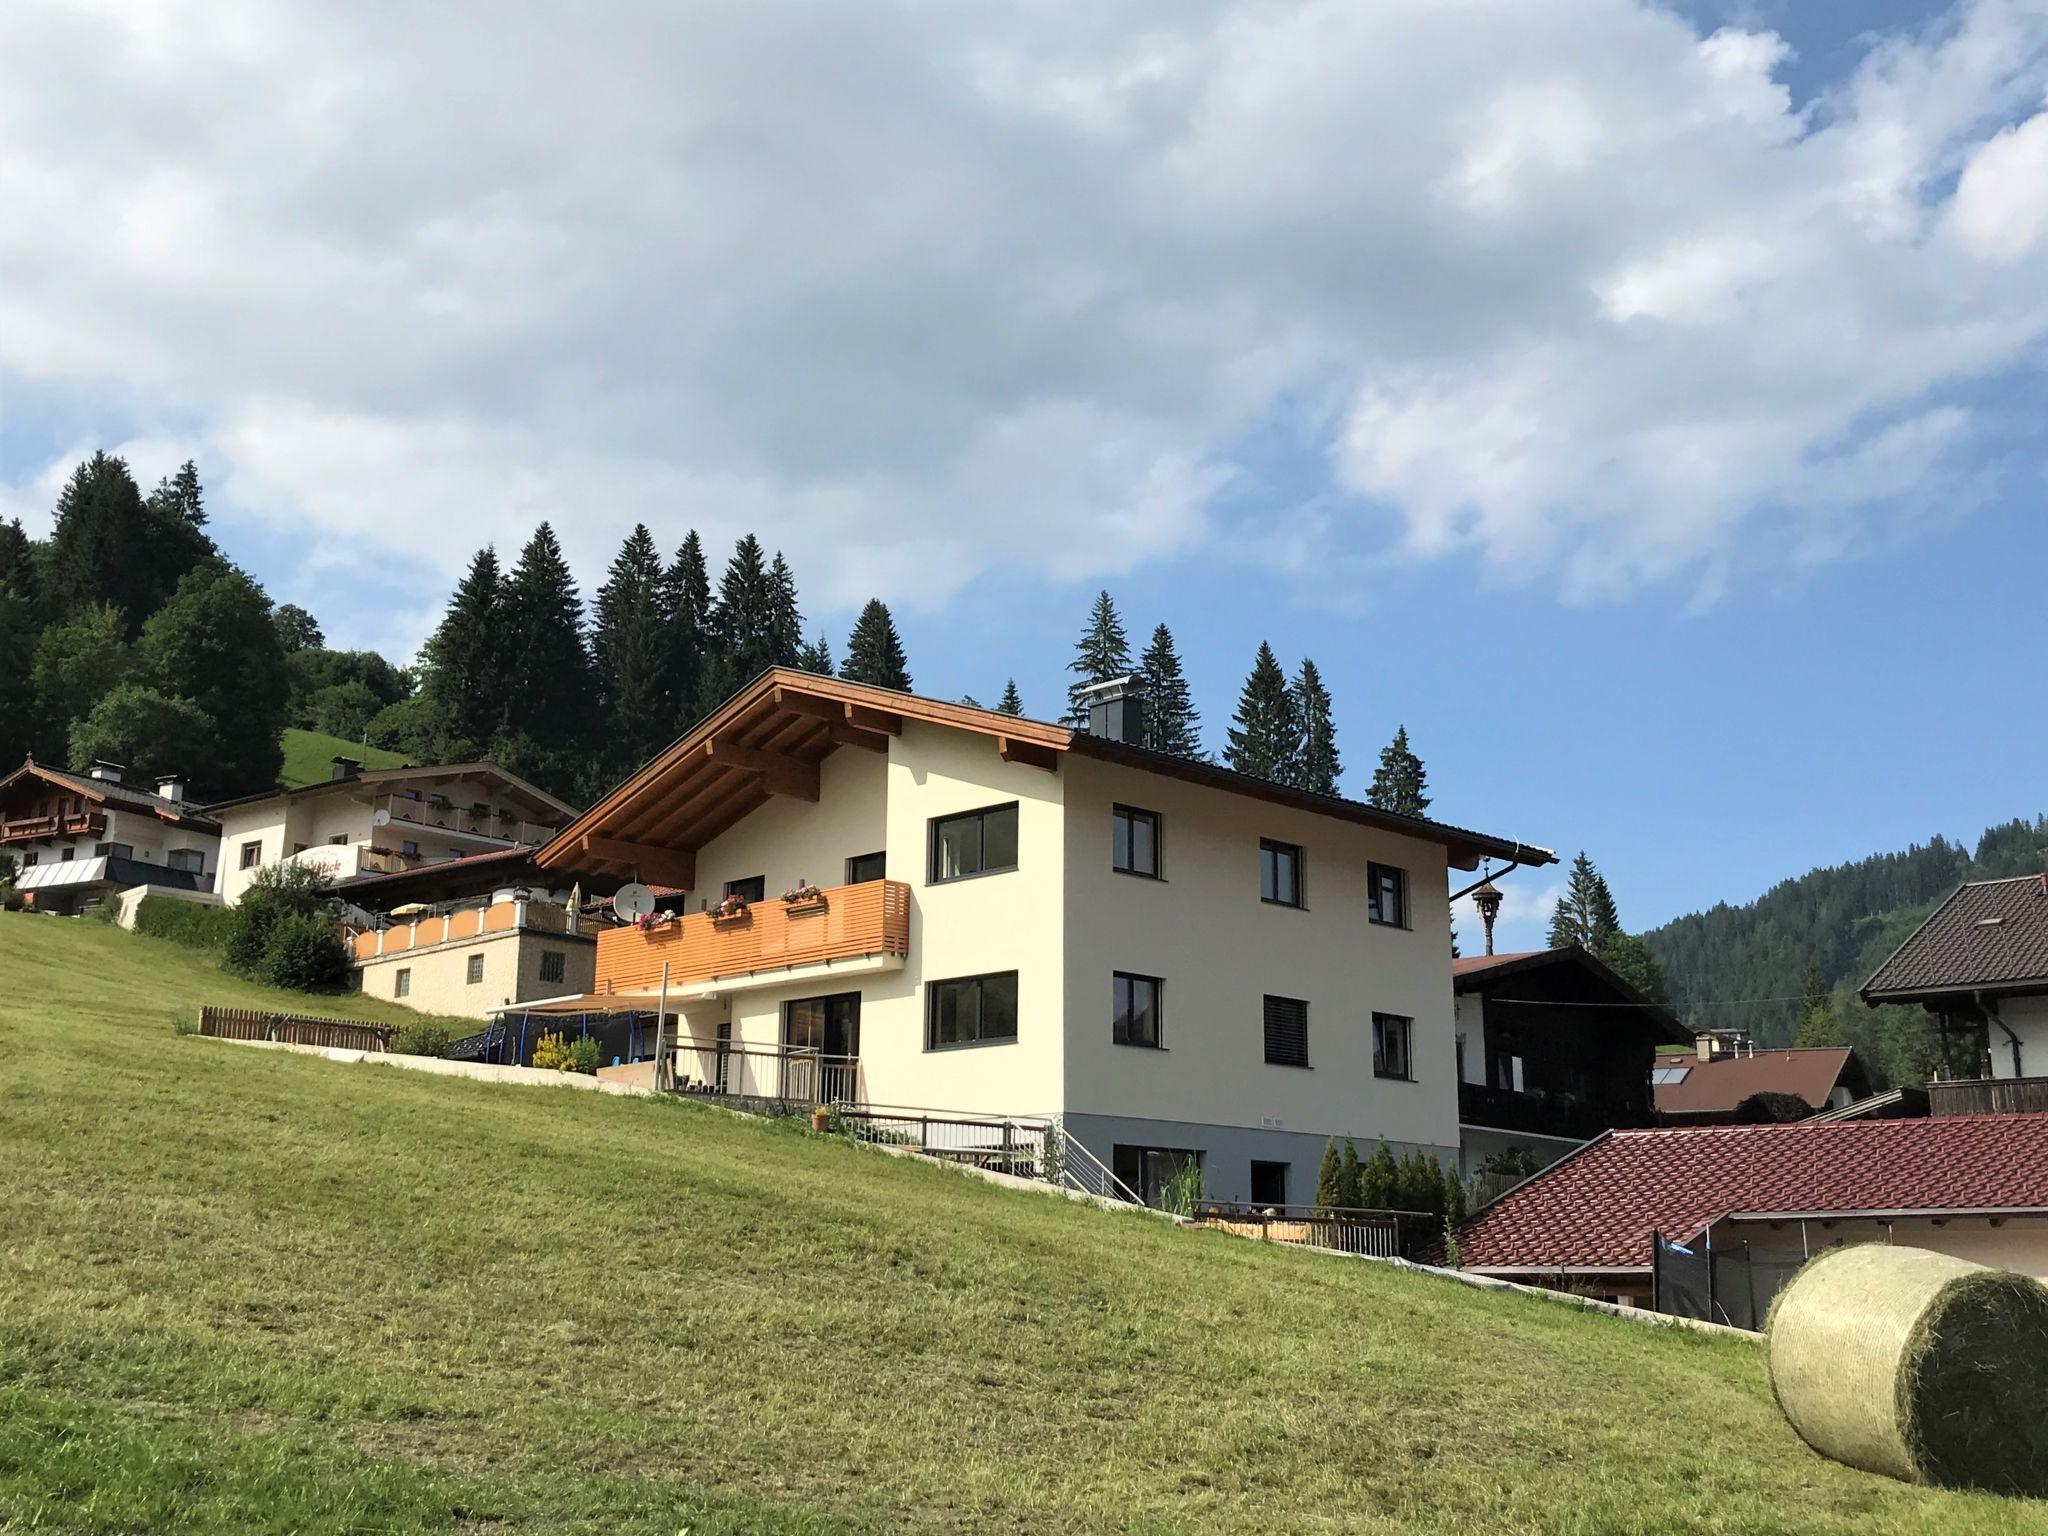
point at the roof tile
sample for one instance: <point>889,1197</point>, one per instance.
<point>1989,933</point>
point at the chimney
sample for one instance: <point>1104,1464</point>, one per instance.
<point>170,786</point>
<point>105,772</point>
<point>1116,710</point>
<point>345,768</point>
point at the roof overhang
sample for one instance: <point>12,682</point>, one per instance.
<point>114,796</point>
<point>766,740</point>
<point>374,780</point>
<point>1664,1024</point>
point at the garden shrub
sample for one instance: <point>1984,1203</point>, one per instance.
<point>586,1056</point>
<point>189,923</point>
<point>291,904</point>
<point>421,1037</point>
<point>558,1053</point>
<point>303,951</point>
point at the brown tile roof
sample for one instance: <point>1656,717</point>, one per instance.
<point>1989,934</point>
<point>1597,1208</point>
<point>119,797</point>
<point>1473,965</point>
<point>1717,1087</point>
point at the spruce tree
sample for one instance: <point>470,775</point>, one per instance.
<point>1103,652</point>
<point>630,654</point>
<point>1350,1178</point>
<point>18,636</point>
<point>687,603</point>
<point>1400,784</point>
<point>874,654</point>
<point>464,663</point>
<point>785,621</point>
<point>744,617</point>
<point>1265,740</point>
<point>1319,767</point>
<point>109,546</point>
<point>1379,1179</point>
<point>1012,702</point>
<point>1171,723</point>
<point>180,496</point>
<point>816,657</point>
<point>1330,1176</point>
<point>549,686</point>
<point>1585,912</point>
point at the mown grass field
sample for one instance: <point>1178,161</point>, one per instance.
<point>246,1290</point>
<point>309,757</point>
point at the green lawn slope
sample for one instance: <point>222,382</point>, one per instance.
<point>254,1291</point>
<point>309,757</point>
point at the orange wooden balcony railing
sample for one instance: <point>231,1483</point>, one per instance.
<point>464,923</point>
<point>848,922</point>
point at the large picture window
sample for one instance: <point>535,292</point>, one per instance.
<point>1279,873</point>
<point>1147,1171</point>
<point>974,1010</point>
<point>1137,1010</point>
<point>1286,1032</point>
<point>1134,842</point>
<point>980,842</point>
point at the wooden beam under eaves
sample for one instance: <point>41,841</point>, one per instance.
<point>862,718</point>
<point>651,865</point>
<point>845,735</point>
<point>1029,753</point>
<point>780,775</point>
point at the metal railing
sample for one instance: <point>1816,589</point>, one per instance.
<point>1378,1233</point>
<point>1025,1147</point>
<point>794,1076</point>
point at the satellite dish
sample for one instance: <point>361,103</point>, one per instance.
<point>380,818</point>
<point>633,902</point>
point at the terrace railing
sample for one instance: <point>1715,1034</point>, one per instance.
<point>1026,1148</point>
<point>845,922</point>
<point>1378,1233</point>
<point>787,1077</point>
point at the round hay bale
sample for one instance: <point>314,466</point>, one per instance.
<point>1918,1365</point>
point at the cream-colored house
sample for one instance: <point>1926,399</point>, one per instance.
<point>383,821</point>
<point>78,838</point>
<point>1016,918</point>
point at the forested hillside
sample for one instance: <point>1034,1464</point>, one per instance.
<point>1788,963</point>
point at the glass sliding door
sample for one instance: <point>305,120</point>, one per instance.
<point>821,1048</point>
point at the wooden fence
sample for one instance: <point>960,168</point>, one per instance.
<point>293,1029</point>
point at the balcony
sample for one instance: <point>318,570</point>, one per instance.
<point>1988,1096</point>
<point>495,826</point>
<point>1542,1114</point>
<point>32,829</point>
<point>467,923</point>
<point>869,921</point>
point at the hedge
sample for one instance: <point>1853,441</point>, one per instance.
<point>193,924</point>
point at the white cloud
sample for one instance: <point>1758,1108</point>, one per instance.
<point>919,291</point>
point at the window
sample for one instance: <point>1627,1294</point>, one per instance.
<point>750,890</point>
<point>1269,1183</point>
<point>1665,1077</point>
<point>1387,903</point>
<point>1137,1010</point>
<point>1134,842</point>
<point>476,970</point>
<point>552,965</point>
<point>1504,1071</point>
<point>863,867</point>
<point>1390,1057</point>
<point>1279,873</point>
<point>828,1025</point>
<point>975,1010</point>
<point>338,839</point>
<point>401,985</point>
<point>1146,1171</point>
<point>114,850</point>
<point>252,855</point>
<point>976,843</point>
<point>409,849</point>
<point>298,848</point>
<point>67,855</point>
<point>1286,1032</point>
<point>31,857</point>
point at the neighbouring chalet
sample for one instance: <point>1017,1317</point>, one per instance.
<point>1726,1079</point>
<point>926,904</point>
<point>1979,965</point>
<point>470,936</point>
<point>383,821</point>
<point>1708,1221</point>
<point>78,838</point>
<point>1553,1049</point>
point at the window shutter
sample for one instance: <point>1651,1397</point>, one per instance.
<point>1286,1032</point>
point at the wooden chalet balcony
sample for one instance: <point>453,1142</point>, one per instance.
<point>847,922</point>
<point>31,829</point>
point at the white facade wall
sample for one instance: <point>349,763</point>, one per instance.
<point>2027,1019</point>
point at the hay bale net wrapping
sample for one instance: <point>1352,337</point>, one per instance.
<point>1918,1365</point>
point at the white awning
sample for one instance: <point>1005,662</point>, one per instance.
<point>46,877</point>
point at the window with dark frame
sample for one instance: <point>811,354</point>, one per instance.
<point>982,842</point>
<point>1286,1032</point>
<point>1391,1040</point>
<point>252,855</point>
<point>553,965</point>
<point>476,971</point>
<point>1387,900</point>
<point>971,1010</point>
<point>1269,1183</point>
<point>1137,1010</point>
<point>752,889</point>
<point>1147,1171</point>
<point>1134,841</point>
<point>1279,873</point>
<point>863,867</point>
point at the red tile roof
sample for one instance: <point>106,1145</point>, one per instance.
<point>1597,1208</point>
<point>1717,1087</point>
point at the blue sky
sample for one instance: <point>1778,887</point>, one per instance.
<point>1642,405</point>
